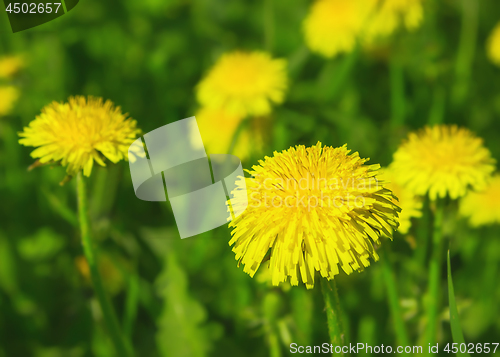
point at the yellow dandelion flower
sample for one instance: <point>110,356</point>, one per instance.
<point>8,97</point>
<point>218,129</point>
<point>493,45</point>
<point>314,209</point>
<point>10,65</point>
<point>442,160</point>
<point>410,204</point>
<point>483,207</point>
<point>79,132</point>
<point>392,14</point>
<point>334,26</point>
<point>244,84</point>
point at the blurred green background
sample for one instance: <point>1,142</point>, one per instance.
<point>187,297</point>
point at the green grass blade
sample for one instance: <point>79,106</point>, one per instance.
<point>456,329</point>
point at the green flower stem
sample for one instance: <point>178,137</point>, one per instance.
<point>392,292</point>
<point>121,346</point>
<point>466,50</point>
<point>438,108</point>
<point>397,93</point>
<point>334,76</point>
<point>268,25</point>
<point>333,312</point>
<point>435,274</point>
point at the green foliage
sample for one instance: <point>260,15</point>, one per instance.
<point>456,329</point>
<point>187,297</point>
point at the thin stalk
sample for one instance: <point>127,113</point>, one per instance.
<point>274,343</point>
<point>268,25</point>
<point>436,115</point>
<point>392,292</point>
<point>435,274</point>
<point>64,6</point>
<point>270,307</point>
<point>466,49</point>
<point>423,232</point>
<point>397,93</point>
<point>297,61</point>
<point>333,312</point>
<point>334,76</point>
<point>121,347</point>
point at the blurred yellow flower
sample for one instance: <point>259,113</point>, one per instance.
<point>493,45</point>
<point>410,204</point>
<point>442,160</point>
<point>314,209</point>
<point>8,97</point>
<point>244,84</point>
<point>483,207</point>
<point>218,128</point>
<point>392,14</point>
<point>10,65</point>
<point>79,132</point>
<point>334,26</point>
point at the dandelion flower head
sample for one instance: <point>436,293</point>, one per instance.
<point>80,132</point>
<point>493,45</point>
<point>313,209</point>
<point>8,97</point>
<point>242,84</point>
<point>410,204</point>
<point>443,160</point>
<point>334,26</point>
<point>483,207</point>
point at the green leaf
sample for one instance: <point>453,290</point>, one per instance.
<point>182,330</point>
<point>456,329</point>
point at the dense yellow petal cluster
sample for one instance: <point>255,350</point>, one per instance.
<point>8,96</point>
<point>443,160</point>
<point>410,204</point>
<point>218,130</point>
<point>10,65</point>
<point>493,45</point>
<point>243,84</point>
<point>314,209</point>
<point>335,26</point>
<point>483,207</point>
<point>78,132</point>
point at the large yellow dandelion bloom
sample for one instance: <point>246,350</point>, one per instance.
<point>392,14</point>
<point>8,97</point>
<point>218,130</point>
<point>410,204</point>
<point>493,45</point>
<point>10,65</point>
<point>483,207</point>
<point>244,84</point>
<point>78,132</point>
<point>443,160</point>
<point>314,209</point>
<point>334,26</point>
